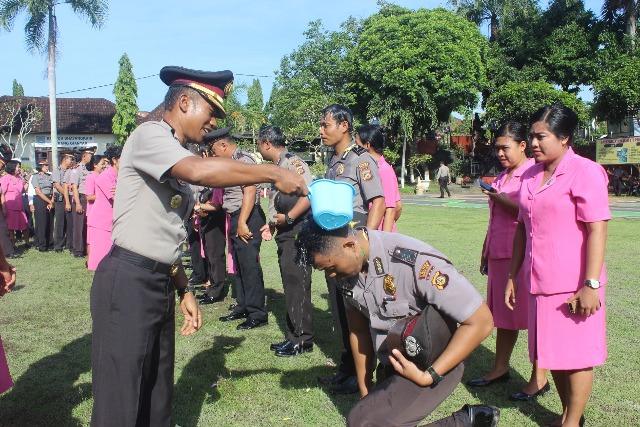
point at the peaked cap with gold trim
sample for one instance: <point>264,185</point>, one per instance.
<point>214,86</point>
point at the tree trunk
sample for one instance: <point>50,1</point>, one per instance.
<point>493,27</point>
<point>51,74</point>
<point>404,161</point>
<point>632,21</point>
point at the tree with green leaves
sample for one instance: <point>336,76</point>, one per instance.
<point>41,32</point>
<point>627,11</point>
<point>126,93</point>
<point>255,108</point>
<point>18,90</point>
<point>491,11</point>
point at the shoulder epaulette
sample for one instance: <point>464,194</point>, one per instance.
<point>408,256</point>
<point>288,155</point>
<point>359,150</point>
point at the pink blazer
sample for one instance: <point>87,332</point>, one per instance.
<point>12,187</point>
<point>102,210</point>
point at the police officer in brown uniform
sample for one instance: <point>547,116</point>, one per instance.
<point>247,218</point>
<point>67,180</point>
<point>354,165</point>
<point>43,206</point>
<point>287,215</point>
<point>385,278</point>
<point>132,297</point>
<point>62,231</point>
<point>79,203</point>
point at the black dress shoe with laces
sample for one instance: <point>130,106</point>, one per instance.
<point>482,415</point>
<point>293,349</point>
<point>251,324</point>
<point>481,382</point>
<point>278,345</point>
<point>336,378</point>
<point>521,396</point>
<point>233,316</point>
<point>348,386</point>
<point>205,299</point>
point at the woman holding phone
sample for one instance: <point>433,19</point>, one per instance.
<point>560,244</point>
<point>495,261</point>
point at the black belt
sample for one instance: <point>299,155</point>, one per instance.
<point>142,261</point>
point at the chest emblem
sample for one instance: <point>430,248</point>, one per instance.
<point>176,201</point>
<point>425,270</point>
<point>440,280</point>
<point>411,346</point>
<point>340,169</point>
<point>389,285</point>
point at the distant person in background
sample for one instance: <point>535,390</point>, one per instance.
<point>616,180</point>
<point>79,203</point>
<point>101,219</point>
<point>96,166</point>
<point>371,137</point>
<point>69,215</point>
<point>443,178</point>
<point>12,187</point>
<point>7,282</point>
<point>61,230</point>
<point>5,242</point>
<point>510,145</point>
<point>43,206</point>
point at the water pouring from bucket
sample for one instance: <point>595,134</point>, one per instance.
<point>331,203</point>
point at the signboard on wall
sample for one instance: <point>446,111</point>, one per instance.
<point>67,141</point>
<point>618,151</point>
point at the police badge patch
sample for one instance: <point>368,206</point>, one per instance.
<point>298,165</point>
<point>175,201</point>
<point>425,270</point>
<point>389,285</point>
<point>340,169</point>
<point>440,280</point>
<point>365,171</point>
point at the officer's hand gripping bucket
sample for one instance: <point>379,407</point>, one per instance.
<point>331,203</point>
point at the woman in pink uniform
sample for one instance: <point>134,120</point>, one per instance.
<point>96,166</point>
<point>7,281</point>
<point>102,209</point>
<point>560,244</point>
<point>372,138</point>
<point>510,146</point>
<point>12,187</point>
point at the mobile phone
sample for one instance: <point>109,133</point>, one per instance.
<point>486,186</point>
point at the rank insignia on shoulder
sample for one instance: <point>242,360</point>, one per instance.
<point>340,169</point>
<point>440,280</point>
<point>408,256</point>
<point>377,263</point>
<point>365,171</point>
<point>359,150</point>
<point>425,270</point>
<point>389,285</point>
<point>176,201</point>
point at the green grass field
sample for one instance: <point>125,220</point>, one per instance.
<point>46,328</point>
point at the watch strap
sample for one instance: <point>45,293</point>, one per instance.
<point>434,376</point>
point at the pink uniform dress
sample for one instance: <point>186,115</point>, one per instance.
<point>102,217</point>
<point>13,187</point>
<point>498,249</point>
<point>5,378</point>
<point>555,215</point>
<point>390,190</point>
<point>90,190</point>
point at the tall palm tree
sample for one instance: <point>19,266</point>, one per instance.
<point>628,9</point>
<point>41,32</point>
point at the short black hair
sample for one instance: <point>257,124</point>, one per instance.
<point>514,130</point>
<point>113,152</point>
<point>272,134</point>
<point>561,120</point>
<point>372,135</point>
<point>312,240</point>
<point>11,167</point>
<point>174,93</point>
<point>95,159</point>
<point>340,114</point>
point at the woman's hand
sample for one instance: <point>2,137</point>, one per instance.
<point>510,294</point>
<point>243,232</point>
<point>588,301</point>
<point>408,369</point>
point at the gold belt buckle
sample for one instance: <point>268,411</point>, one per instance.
<point>173,270</point>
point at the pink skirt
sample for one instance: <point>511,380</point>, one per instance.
<point>5,378</point>
<point>16,220</point>
<point>559,340</point>
<point>503,318</point>
<point>100,245</point>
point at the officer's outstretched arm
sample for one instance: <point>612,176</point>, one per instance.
<point>218,172</point>
<point>362,348</point>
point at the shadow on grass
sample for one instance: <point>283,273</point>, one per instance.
<point>46,394</point>
<point>479,363</point>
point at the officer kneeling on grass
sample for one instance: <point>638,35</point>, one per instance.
<point>402,293</point>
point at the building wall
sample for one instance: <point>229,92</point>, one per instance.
<point>40,142</point>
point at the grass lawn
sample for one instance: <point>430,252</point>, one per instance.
<point>46,329</point>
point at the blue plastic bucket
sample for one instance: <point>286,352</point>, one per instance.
<point>331,203</point>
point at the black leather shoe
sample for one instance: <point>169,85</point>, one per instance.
<point>205,299</point>
<point>278,345</point>
<point>348,386</point>
<point>291,349</point>
<point>233,316</point>
<point>232,306</point>
<point>482,415</point>
<point>521,396</point>
<point>251,324</point>
<point>336,378</point>
<point>481,382</point>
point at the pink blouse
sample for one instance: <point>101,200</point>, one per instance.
<point>390,189</point>
<point>90,189</point>
<point>555,216</point>
<point>102,211</point>
<point>12,187</point>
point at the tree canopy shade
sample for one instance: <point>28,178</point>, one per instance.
<point>519,100</point>
<point>41,32</point>
<point>126,93</point>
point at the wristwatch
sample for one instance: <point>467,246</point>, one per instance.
<point>592,283</point>
<point>182,291</point>
<point>434,376</point>
<point>288,219</point>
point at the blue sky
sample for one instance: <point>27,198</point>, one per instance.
<point>247,37</point>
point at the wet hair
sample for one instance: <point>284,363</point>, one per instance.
<point>340,114</point>
<point>11,167</point>
<point>560,119</point>
<point>313,240</point>
<point>113,152</point>
<point>174,93</point>
<point>372,135</point>
<point>272,134</point>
